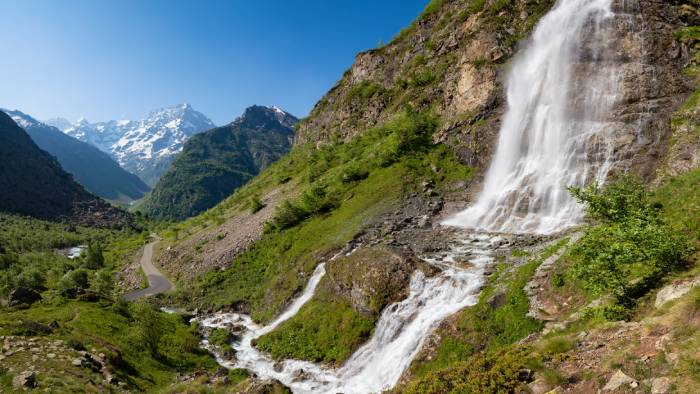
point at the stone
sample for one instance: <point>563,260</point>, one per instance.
<point>539,386</point>
<point>674,291</point>
<point>26,379</point>
<point>77,362</point>
<point>660,385</point>
<point>23,295</point>
<point>619,379</point>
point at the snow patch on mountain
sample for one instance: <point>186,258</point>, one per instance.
<point>144,147</point>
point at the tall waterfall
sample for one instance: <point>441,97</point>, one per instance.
<point>561,91</point>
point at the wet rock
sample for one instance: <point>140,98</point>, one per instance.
<point>619,379</point>
<point>24,295</point>
<point>26,379</point>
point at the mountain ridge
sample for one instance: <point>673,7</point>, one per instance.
<point>214,163</point>
<point>34,184</point>
<point>92,168</point>
<point>143,147</point>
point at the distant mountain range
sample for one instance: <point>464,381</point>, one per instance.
<point>34,184</point>
<point>90,167</point>
<point>143,147</point>
<point>214,163</point>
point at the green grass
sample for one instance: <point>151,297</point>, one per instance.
<point>117,333</point>
<point>681,202</point>
<point>326,329</point>
<point>268,274</point>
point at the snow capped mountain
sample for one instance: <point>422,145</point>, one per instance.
<point>144,147</point>
<point>59,123</point>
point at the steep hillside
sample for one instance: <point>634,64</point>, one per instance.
<point>391,151</point>
<point>213,164</point>
<point>143,147</point>
<point>90,167</point>
<point>34,184</point>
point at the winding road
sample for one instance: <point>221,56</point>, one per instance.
<point>157,282</point>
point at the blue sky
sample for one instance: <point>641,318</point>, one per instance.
<point>121,59</point>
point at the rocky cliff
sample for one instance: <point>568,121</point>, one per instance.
<point>452,61</point>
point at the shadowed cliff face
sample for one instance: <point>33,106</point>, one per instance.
<point>454,61</point>
<point>33,183</point>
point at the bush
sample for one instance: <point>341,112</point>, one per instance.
<point>631,249</point>
<point>150,326</point>
<point>256,204</point>
<point>94,258</point>
<point>481,374</point>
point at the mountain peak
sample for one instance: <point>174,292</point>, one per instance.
<point>262,117</point>
<point>22,119</point>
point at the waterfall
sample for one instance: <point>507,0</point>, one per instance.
<point>561,90</point>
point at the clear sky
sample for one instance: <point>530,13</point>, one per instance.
<point>120,59</point>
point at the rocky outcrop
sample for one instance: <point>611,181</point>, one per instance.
<point>372,278</point>
<point>23,295</point>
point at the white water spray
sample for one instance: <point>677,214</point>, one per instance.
<point>554,132</point>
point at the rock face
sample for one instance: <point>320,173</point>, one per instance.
<point>452,59</point>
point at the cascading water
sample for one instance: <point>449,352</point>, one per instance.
<point>552,136</point>
<point>397,338</point>
<point>553,133</point>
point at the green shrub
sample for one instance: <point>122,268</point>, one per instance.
<point>150,326</point>
<point>256,204</point>
<point>363,91</point>
<point>480,374</point>
<point>632,248</point>
<point>94,258</point>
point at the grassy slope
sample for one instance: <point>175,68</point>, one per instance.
<point>107,326</point>
<point>362,180</point>
<point>102,329</point>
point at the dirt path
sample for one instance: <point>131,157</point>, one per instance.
<point>157,282</point>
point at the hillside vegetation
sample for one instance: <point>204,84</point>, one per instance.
<point>215,163</point>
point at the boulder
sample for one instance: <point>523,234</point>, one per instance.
<point>26,379</point>
<point>674,291</point>
<point>24,295</point>
<point>619,379</point>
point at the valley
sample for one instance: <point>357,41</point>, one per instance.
<point>502,199</point>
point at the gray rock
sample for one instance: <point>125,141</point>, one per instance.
<point>674,291</point>
<point>619,379</point>
<point>26,379</point>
